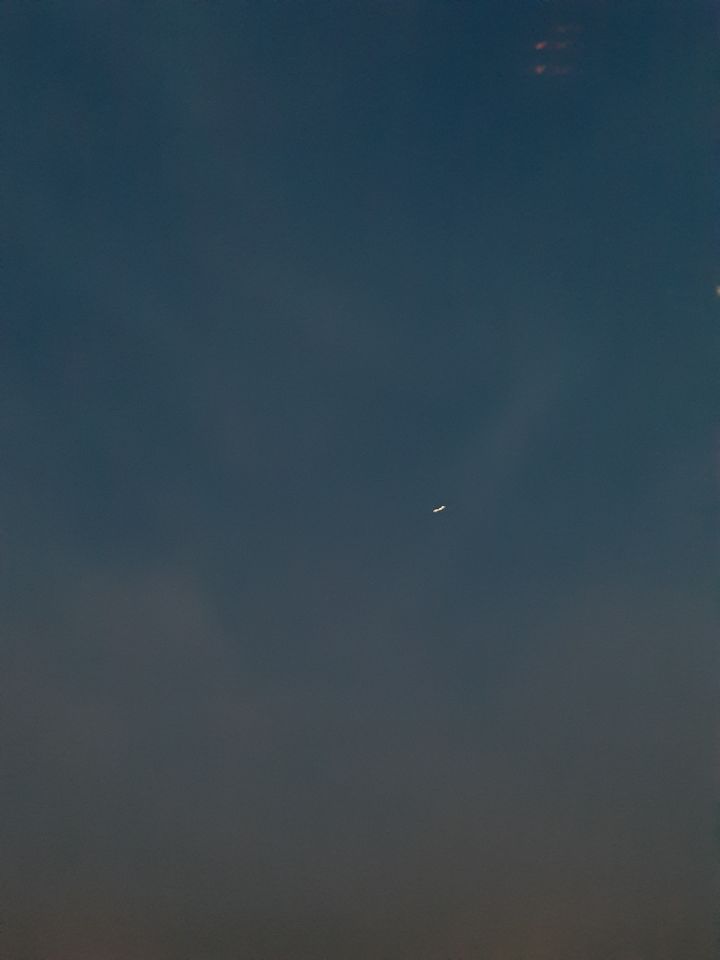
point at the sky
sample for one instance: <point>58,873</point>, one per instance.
<point>278,279</point>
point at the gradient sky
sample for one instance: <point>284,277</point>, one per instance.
<point>278,279</point>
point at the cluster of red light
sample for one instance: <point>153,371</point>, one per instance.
<point>562,41</point>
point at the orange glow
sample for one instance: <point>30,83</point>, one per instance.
<point>541,45</point>
<point>540,68</point>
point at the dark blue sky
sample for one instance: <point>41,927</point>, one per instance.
<point>279,278</point>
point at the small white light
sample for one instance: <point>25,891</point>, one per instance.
<point>438,509</point>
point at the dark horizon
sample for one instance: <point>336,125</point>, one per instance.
<point>280,279</point>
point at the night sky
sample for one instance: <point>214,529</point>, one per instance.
<point>278,278</point>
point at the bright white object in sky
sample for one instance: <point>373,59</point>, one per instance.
<point>439,509</point>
